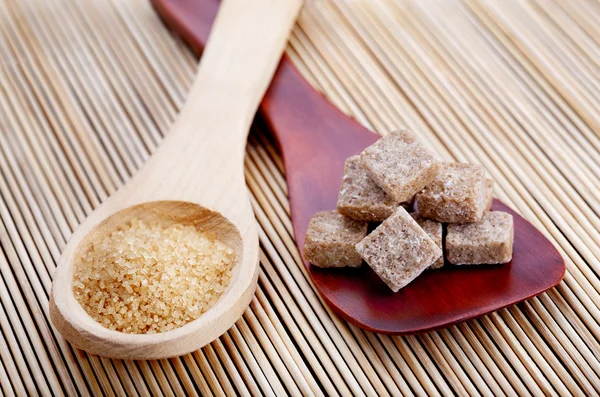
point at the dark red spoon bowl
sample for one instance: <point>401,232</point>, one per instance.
<point>315,139</point>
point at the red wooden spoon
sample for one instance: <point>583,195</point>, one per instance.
<point>315,139</point>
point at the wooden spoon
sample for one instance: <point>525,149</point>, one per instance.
<point>315,139</point>
<point>195,178</point>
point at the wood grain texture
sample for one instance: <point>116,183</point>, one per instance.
<point>315,139</point>
<point>195,178</point>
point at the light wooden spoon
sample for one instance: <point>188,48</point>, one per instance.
<point>195,178</point>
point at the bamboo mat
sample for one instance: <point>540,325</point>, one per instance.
<point>89,87</point>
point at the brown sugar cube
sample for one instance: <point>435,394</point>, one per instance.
<point>489,184</point>
<point>488,241</point>
<point>458,194</point>
<point>400,164</point>
<point>398,250</point>
<point>331,238</point>
<point>434,231</point>
<point>360,198</point>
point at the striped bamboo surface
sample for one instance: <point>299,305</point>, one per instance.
<point>89,87</point>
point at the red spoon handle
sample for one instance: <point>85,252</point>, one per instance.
<point>185,17</point>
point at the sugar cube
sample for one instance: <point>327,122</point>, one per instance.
<point>360,198</point>
<point>458,194</point>
<point>488,241</point>
<point>400,164</point>
<point>489,183</point>
<point>435,230</point>
<point>331,238</point>
<point>398,250</point>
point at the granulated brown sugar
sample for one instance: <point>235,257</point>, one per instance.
<point>145,279</point>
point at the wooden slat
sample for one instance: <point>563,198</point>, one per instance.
<point>89,88</point>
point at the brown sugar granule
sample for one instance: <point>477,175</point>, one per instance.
<point>331,238</point>
<point>435,230</point>
<point>145,279</point>
<point>458,194</point>
<point>360,198</point>
<point>398,250</point>
<point>400,164</point>
<point>488,241</point>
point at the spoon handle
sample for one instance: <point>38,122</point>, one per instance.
<point>245,45</point>
<point>293,110</point>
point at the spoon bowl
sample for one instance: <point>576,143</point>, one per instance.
<point>84,332</point>
<point>194,178</point>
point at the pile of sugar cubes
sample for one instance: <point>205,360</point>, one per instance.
<point>453,201</point>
